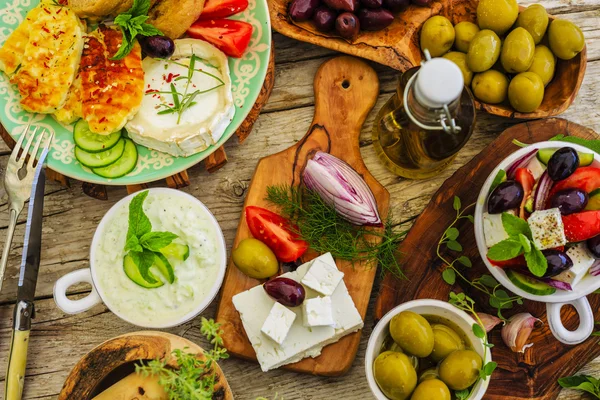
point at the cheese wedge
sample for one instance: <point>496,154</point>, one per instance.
<point>134,387</point>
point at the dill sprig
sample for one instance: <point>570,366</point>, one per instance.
<point>325,231</point>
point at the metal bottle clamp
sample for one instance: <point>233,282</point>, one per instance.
<point>444,113</point>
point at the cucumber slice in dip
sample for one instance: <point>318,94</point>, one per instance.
<point>123,165</point>
<point>530,285</point>
<point>164,266</point>
<point>133,272</point>
<point>93,142</point>
<point>177,251</point>
<point>102,158</point>
<point>544,155</point>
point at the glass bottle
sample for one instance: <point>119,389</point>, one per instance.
<point>419,131</point>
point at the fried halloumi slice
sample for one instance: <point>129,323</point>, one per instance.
<point>71,110</point>
<point>112,90</point>
<point>51,59</point>
<point>11,53</point>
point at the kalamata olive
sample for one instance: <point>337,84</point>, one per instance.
<point>157,46</point>
<point>347,25</point>
<point>563,163</point>
<point>558,262</point>
<point>342,5</point>
<point>374,20</point>
<point>423,3</point>
<point>593,245</point>
<point>395,5</point>
<point>569,201</point>
<point>285,291</point>
<point>303,10</point>
<point>324,19</point>
<point>371,3</point>
<point>506,196</point>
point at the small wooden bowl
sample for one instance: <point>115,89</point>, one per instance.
<point>116,356</point>
<point>397,46</point>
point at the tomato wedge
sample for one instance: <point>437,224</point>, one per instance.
<point>584,178</point>
<point>276,232</point>
<point>581,226</point>
<point>231,37</point>
<point>513,262</point>
<point>222,8</point>
<point>526,179</point>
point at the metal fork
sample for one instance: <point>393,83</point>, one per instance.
<point>18,180</point>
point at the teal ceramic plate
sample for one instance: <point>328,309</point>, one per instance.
<point>247,77</point>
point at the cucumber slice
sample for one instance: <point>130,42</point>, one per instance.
<point>594,201</point>
<point>123,165</point>
<point>544,155</point>
<point>164,266</point>
<point>93,142</point>
<point>133,272</point>
<point>528,284</point>
<point>102,158</point>
<point>177,251</point>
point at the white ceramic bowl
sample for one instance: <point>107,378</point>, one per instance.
<point>424,307</point>
<point>556,301</point>
<point>89,275</point>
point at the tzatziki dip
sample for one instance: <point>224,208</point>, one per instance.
<point>196,279</point>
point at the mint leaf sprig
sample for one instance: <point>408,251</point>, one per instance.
<point>584,383</point>
<point>133,23</point>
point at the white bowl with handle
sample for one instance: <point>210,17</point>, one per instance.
<point>554,302</point>
<point>425,307</point>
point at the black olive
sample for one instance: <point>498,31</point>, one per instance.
<point>505,196</point>
<point>563,163</point>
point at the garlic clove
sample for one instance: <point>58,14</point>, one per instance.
<point>489,321</point>
<point>516,333</point>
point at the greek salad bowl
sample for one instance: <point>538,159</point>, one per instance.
<point>441,366</point>
<point>537,228</point>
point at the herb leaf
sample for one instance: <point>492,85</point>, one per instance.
<point>478,331</point>
<point>144,260</point>
<point>133,244</point>
<point>536,262</point>
<point>139,224</point>
<point>154,241</point>
<point>505,250</point>
<point>514,225</point>
<point>449,276</point>
<point>581,382</point>
<point>525,243</point>
<point>592,144</point>
<point>133,23</point>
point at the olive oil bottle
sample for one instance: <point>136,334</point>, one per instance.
<point>419,131</point>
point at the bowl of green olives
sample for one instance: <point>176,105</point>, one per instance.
<point>426,349</point>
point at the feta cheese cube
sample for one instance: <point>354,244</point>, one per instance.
<point>323,275</point>
<point>493,230</point>
<point>582,261</point>
<point>547,229</point>
<point>278,323</point>
<point>318,312</point>
<point>536,168</point>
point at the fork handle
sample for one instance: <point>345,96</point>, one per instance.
<point>12,223</point>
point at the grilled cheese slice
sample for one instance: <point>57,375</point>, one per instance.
<point>71,110</point>
<point>11,54</point>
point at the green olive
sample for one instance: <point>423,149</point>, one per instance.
<point>484,51</point>
<point>395,375</point>
<point>460,369</point>
<point>437,35</point>
<point>431,389</point>
<point>445,341</point>
<point>526,92</point>
<point>430,373</point>
<point>465,32</point>
<point>413,333</point>
<point>535,20</point>
<point>490,86</point>
<point>255,259</point>
<point>544,63</point>
<point>566,39</point>
<point>460,59</point>
<point>517,51</point>
<point>497,15</point>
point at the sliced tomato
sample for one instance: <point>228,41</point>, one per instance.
<point>581,226</point>
<point>231,37</point>
<point>513,262</point>
<point>526,179</point>
<point>584,178</point>
<point>222,8</point>
<point>276,232</point>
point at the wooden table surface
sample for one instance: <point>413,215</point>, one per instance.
<point>70,218</point>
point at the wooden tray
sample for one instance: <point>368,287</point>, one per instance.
<point>346,89</point>
<point>531,375</point>
<point>92,369</point>
<point>397,46</point>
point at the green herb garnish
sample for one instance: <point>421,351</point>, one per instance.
<point>592,144</point>
<point>133,23</point>
<point>584,383</point>
<point>325,231</point>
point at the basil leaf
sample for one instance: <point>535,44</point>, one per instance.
<point>505,250</point>
<point>139,224</point>
<point>514,225</point>
<point>150,30</point>
<point>154,241</point>
<point>591,144</point>
<point>122,19</point>
<point>525,243</point>
<point>536,262</point>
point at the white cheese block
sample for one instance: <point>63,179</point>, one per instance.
<point>323,275</point>
<point>547,229</point>
<point>254,306</point>
<point>278,323</point>
<point>582,261</point>
<point>318,312</point>
<point>200,125</point>
<point>536,168</point>
<point>493,230</point>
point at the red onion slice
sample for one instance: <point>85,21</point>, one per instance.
<point>595,268</point>
<point>543,190</point>
<point>557,284</point>
<point>520,163</point>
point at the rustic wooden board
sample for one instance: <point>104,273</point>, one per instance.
<point>345,91</point>
<point>531,375</point>
<point>91,370</point>
<point>397,46</point>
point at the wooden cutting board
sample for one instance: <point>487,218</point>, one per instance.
<point>346,89</point>
<point>531,375</point>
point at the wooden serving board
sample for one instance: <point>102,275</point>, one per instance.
<point>533,374</point>
<point>114,354</point>
<point>346,89</point>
